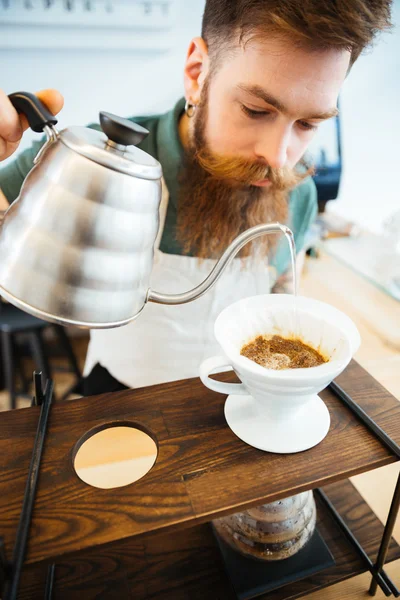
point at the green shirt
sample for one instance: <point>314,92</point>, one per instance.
<point>164,144</point>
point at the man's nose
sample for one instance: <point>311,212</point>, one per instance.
<point>273,148</point>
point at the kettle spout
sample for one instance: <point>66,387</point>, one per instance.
<point>227,257</point>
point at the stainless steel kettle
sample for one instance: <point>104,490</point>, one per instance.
<point>77,246</point>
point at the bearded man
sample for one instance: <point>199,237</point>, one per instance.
<point>258,83</point>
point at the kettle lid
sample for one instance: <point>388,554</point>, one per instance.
<point>115,147</point>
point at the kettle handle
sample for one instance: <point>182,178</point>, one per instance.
<point>35,111</point>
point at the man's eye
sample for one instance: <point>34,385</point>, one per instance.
<point>307,126</point>
<point>253,114</point>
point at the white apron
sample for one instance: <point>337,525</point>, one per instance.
<point>167,343</point>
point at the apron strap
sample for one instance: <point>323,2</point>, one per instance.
<point>162,212</point>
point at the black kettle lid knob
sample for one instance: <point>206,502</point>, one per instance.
<point>122,131</point>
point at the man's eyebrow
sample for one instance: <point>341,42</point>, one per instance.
<point>259,92</point>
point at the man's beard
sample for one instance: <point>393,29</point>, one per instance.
<point>217,200</point>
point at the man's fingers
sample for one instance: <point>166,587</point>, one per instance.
<point>24,122</point>
<point>53,101</point>
<point>10,125</point>
<point>3,148</point>
<point>7,148</point>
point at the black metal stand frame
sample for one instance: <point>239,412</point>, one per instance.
<point>379,576</point>
<point>10,572</point>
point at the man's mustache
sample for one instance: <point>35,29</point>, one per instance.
<point>238,172</point>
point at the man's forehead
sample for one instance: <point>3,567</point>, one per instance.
<point>281,51</point>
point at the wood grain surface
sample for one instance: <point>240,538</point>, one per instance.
<point>202,470</point>
<point>187,565</point>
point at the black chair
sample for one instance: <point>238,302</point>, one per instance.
<point>13,323</point>
<point>328,171</point>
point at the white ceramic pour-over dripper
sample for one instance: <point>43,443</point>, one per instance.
<point>280,411</point>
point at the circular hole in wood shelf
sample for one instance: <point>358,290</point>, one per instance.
<point>114,455</point>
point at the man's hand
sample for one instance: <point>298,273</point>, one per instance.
<point>13,125</point>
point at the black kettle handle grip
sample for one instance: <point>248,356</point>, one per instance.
<point>35,111</point>
<point>122,131</point>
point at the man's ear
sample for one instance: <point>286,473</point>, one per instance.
<point>196,69</point>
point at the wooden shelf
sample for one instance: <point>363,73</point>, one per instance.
<point>187,565</point>
<point>202,470</point>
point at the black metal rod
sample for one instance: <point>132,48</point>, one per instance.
<point>381,577</point>
<point>11,588</point>
<point>48,594</point>
<point>366,419</point>
<point>37,384</point>
<point>4,566</point>
<point>387,536</point>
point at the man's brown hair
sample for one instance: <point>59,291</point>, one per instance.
<point>316,24</point>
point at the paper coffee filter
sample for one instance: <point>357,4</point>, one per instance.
<point>313,322</point>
